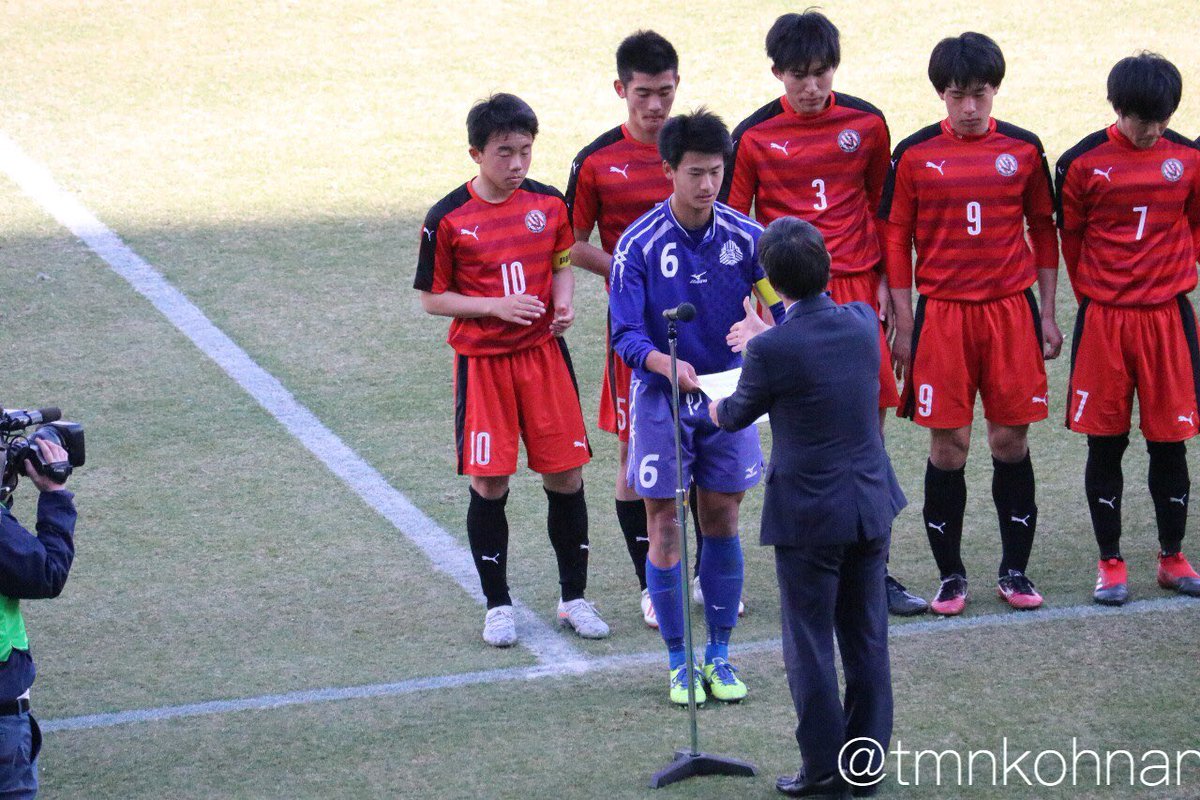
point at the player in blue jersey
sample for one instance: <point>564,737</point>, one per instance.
<point>689,248</point>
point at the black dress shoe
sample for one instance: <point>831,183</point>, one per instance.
<point>798,785</point>
<point>902,602</point>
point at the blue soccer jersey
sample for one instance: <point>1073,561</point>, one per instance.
<point>657,264</point>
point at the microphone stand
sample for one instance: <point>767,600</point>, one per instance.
<point>691,762</point>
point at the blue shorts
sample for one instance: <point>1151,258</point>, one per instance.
<point>718,461</point>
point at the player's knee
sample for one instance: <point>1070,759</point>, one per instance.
<point>948,448</point>
<point>490,487</point>
<point>719,513</point>
<point>1168,458</point>
<point>567,482</point>
<point>1009,444</point>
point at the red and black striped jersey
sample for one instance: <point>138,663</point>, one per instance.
<point>827,168</point>
<point>614,180</point>
<point>1130,218</point>
<point>966,201</point>
<point>483,249</point>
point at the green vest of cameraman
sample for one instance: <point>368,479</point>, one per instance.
<point>12,628</point>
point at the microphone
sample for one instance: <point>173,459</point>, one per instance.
<point>684,312</point>
<point>17,419</point>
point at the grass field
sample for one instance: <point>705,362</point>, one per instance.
<point>273,160</point>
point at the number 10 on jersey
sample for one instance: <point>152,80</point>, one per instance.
<point>513,276</point>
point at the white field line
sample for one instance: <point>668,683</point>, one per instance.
<point>445,553</point>
<point>607,663</point>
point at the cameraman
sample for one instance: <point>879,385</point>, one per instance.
<point>30,567</point>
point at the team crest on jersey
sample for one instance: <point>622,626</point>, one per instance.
<point>1172,169</point>
<point>1007,165</point>
<point>535,221</point>
<point>849,140</point>
<point>730,254</point>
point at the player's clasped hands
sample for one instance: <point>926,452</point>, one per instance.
<point>521,309</point>
<point>744,330</point>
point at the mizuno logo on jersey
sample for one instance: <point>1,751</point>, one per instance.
<point>780,147</point>
<point>472,233</point>
<point>730,254</point>
<point>938,167</point>
<point>620,171</point>
<point>1103,172</point>
<point>698,277</point>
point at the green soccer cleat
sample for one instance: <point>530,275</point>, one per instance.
<point>723,682</point>
<point>679,692</point>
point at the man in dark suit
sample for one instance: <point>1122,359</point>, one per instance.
<point>830,500</point>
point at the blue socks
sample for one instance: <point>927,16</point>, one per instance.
<point>668,606</point>
<point>721,567</point>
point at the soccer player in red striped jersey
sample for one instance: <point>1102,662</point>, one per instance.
<point>1129,210</point>
<point>495,256</point>
<point>964,190</point>
<point>823,157</point>
<point>614,180</point>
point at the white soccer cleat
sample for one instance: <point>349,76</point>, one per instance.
<point>500,627</point>
<point>581,615</point>
<point>698,597</point>
<point>648,609</point>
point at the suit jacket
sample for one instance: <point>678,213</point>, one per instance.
<point>817,375</point>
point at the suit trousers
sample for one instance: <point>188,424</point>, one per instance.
<point>823,591</point>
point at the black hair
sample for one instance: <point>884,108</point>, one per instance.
<point>793,254</point>
<point>1146,86</point>
<point>698,132</point>
<point>797,41</point>
<point>500,113</point>
<point>646,52</point>
<point>966,60</point>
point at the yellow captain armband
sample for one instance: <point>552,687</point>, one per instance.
<point>767,292</point>
<point>562,260</point>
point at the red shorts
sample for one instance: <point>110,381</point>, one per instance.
<point>1148,349</point>
<point>863,287</point>
<point>960,348</point>
<point>530,394</point>
<point>614,394</point>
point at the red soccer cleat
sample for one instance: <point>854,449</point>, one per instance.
<point>1174,572</point>
<point>1111,582</point>
<point>1018,591</point>
<point>951,597</point>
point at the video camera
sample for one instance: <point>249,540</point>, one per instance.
<point>16,448</point>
